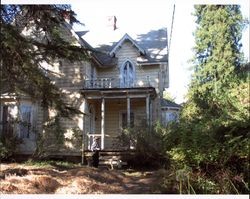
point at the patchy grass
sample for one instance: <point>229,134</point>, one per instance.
<point>66,178</point>
<point>51,163</point>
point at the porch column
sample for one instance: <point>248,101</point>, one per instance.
<point>83,131</point>
<point>150,114</point>
<point>102,122</point>
<point>147,109</point>
<point>128,112</point>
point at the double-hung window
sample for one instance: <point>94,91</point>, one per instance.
<point>25,121</point>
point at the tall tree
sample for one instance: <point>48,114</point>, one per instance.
<point>168,96</point>
<point>217,52</point>
<point>212,136</point>
<point>215,121</point>
<point>23,55</point>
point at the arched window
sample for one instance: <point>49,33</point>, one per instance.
<point>127,75</point>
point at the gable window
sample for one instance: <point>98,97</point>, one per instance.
<point>25,125</point>
<point>127,75</point>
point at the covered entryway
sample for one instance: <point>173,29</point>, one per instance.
<point>115,109</point>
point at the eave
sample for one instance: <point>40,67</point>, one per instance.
<point>122,40</point>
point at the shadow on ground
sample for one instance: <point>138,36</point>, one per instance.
<point>21,179</point>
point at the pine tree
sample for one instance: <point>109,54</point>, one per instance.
<point>21,55</point>
<point>217,52</point>
<point>214,126</point>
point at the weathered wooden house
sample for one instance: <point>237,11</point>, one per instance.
<point>119,87</point>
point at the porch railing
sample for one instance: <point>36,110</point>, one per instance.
<point>90,139</point>
<point>103,83</point>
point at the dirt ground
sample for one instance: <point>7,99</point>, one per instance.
<point>23,179</point>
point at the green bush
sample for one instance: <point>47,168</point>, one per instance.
<point>8,145</point>
<point>147,144</point>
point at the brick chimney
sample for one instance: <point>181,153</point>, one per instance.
<point>66,16</point>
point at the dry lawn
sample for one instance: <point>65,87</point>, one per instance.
<point>23,179</point>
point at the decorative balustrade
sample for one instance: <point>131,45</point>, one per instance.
<point>103,83</point>
<point>99,83</point>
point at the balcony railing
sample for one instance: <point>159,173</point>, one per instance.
<point>99,83</point>
<point>103,83</point>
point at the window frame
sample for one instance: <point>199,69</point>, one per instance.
<point>25,135</point>
<point>127,78</point>
<point>171,116</point>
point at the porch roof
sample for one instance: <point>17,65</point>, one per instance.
<point>169,104</point>
<point>116,93</point>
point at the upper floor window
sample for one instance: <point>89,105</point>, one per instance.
<point>127,75</point>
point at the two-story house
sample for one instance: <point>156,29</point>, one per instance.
<point>119,87</point>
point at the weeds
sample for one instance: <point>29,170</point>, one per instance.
<point>84,180</point>
<point>51,163</point>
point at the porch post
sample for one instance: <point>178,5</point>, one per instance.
<point>83,132</point>
<point>102,122</point>
<point>128,112</point>
<point>147,109</point>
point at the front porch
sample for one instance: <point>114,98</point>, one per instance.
<point>108,111</point>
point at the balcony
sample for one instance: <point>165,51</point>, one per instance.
<point>106,83</point>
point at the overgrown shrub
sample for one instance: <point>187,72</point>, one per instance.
<point>147,144</point>
<point>216,149</point>
<point>8,145</point>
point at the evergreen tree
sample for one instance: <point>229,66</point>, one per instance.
<point>214,124</point>
<point>217,53</point>
<point>218,64</point>
<point>168,96</point>
<point>22,55</point>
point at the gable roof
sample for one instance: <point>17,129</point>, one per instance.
<point>103,59</point>
<point>169,104</point>
<point>126,37</point>
<point>152,46</point>
<point>156,45</point>
<point>81,33</point>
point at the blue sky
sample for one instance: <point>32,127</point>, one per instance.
<point>140,16</point>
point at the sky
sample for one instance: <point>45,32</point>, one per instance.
<point>140,16</point>
<point>136,17</point>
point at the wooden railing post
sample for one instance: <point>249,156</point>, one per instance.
<point>147,108</point>
<point>128,112</point>
<point>102,122</point>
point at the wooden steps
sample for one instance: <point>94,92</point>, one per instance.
<point>111,159</point>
